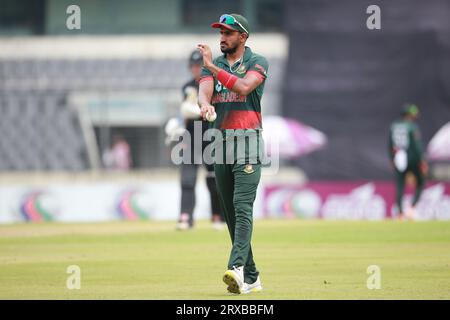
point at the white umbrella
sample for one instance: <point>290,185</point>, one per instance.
<point>439,146</point>
<point>293,138</point>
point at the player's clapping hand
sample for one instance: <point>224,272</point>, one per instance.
<point>206,52</point>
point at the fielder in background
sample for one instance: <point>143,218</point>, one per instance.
<point>406,154</point>
<point>190,111</point>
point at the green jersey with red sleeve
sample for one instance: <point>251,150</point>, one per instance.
<point>235,111</point>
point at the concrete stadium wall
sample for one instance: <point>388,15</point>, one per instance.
<point>106,16</point>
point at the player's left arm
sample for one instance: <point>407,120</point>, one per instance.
<point>244,86</point>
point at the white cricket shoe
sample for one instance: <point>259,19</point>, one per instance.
<point>410,213</point>
<point>183,223</point>
<point>234,278</point>
<point>183,226</point>
<point>252,287</point>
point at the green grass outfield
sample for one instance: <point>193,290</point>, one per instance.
<point>298,260</point>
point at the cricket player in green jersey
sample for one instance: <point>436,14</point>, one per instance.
<point>406,153</point>
<point>231,87</point>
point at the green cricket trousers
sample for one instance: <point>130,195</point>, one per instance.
<point>237,183</point>
<point>400,178</point>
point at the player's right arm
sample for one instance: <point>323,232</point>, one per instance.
<point>205,93</point>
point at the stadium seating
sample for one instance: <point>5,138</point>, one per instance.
<point>38,130</point>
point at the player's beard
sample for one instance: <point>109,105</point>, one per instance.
<point>230,50</point>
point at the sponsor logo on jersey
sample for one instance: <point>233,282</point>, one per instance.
<point>241,70</point>
<point>228,97</point>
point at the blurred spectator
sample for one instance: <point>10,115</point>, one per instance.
<point>118,157</point>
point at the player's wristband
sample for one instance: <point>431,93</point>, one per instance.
<point>226,79</point>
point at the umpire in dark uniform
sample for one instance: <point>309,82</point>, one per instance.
<point>191,115</point>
